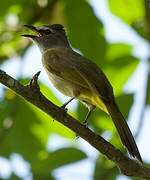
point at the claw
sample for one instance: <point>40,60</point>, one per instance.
<point>64,108</point>
<point>65,104</point>
<point>33,82</point>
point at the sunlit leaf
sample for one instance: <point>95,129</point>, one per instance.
<point>131,13</point>
<point>85,31</point>
<point>128,10</point>
<point>117,50</point>
<point>125,102</point>
<point>48,122</point>
<point>18,130</point>
<point>105,169</point>
<point>57,159</point>
<point>140,26</point>
<point>119,71</point>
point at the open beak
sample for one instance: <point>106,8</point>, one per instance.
<point>34,29</point>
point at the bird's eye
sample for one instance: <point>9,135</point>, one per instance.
<point>47,32</point>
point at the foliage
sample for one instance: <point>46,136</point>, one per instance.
<point>23,128</point>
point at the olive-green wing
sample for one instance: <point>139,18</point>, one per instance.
<point>73,67</point>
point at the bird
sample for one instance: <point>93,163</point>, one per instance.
<point>79,78</point>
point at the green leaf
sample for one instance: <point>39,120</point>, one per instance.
<point>43,176</point>
<point>85,31</point>
<point>140,26</point>
<point>13,14</point>
<point>119,65</point>
<point>125,102</point>
<point>48,122</point>
<point>13,7</point>
<point>49,94</point>
<point>129,11</point>
<point>52,125</point>
<point>117,50</point>
<point>18,130</point>
<point>56,159</point>
<point>14,177</point>
<point>119,71</point>
<point>4,112</point>
<point>105,169</point>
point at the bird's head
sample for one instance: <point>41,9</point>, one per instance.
<point>48,36</point>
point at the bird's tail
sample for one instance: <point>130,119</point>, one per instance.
<point>123,130</point>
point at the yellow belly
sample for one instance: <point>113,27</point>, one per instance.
<point>70,89</point>
<point>93,99</point>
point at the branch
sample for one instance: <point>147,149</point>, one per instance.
<point>32,94</point>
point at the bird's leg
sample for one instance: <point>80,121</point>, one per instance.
<point>66,103</point>
<point>91,108</point>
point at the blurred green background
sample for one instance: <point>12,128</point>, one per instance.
<point>26,133</point>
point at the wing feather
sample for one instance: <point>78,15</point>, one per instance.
<point>72,67</point>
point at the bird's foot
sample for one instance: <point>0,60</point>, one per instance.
<point>65,104</point>
<point>63,107</point>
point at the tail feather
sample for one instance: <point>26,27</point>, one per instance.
<point>123,130</point>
